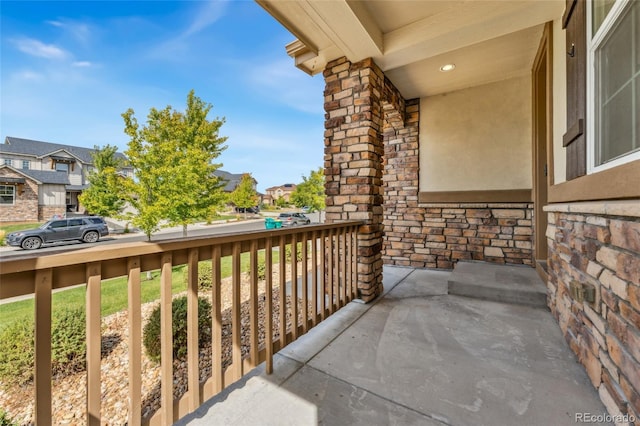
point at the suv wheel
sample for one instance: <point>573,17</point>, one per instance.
<point>90,237</point>
<point>31,243</point>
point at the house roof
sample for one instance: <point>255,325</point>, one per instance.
<point>286,187</point>
<point>41,149</point>
<point>42,176</point>
<point>232,179</point>
<point>487,41</point>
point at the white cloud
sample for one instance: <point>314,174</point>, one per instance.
<point>28,75</point>
<point>286,84</point>
<point>37,48</point>
<point>78,30</point>
<point>209,13</point>
<point>82,64</point>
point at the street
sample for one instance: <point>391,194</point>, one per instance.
<point>165,234</point>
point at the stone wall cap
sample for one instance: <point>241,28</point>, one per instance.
<point>610,208</point>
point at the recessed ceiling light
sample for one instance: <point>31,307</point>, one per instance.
<point>447,67</point>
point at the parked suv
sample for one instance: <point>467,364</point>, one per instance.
<point>88,229</point>
<point>292,219</point>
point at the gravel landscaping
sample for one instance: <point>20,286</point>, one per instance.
<point>69,393</point>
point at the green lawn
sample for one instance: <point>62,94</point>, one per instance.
<point>114,291</point>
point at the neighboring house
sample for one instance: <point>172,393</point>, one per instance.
<point>232,180</point>
<point>274,193</point>
<point>506,132</point>
<point>41,179</point>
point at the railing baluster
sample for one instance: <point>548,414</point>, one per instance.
<point>294,286</point>
<point>354,261</point>
<point>305,292</point>
<point>323,275</point>
<point>193,351</point>
<point>349,273</point>
<point>268,306</point>
<point>42,374</point>
<point>337,283</point>
<point>166,340</point>
<point>331,271</point>
<point>314,278</point>
<point>282,291</point>
<point>135,339</point>
<point>236,327</point>
<point>343,258</point>
<point>94,341</point>
<point>216,320</point>
<point>253,301</point>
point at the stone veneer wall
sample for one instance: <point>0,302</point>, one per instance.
<point>25,208</point>
<point>598,244</point>
<point>438,235</point>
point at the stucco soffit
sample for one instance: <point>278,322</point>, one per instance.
<point>468,24</point>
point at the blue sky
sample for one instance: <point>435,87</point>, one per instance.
<point>70,69</point>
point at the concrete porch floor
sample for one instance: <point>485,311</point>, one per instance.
<point>416,356</point>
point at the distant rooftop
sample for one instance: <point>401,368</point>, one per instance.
<point>41,149</point>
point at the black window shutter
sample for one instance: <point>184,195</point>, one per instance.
<point>574,21</point>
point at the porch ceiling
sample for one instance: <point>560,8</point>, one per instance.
<point>411,40</point>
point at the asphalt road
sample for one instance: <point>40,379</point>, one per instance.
<point>192,231</point>
<point>17,252</point>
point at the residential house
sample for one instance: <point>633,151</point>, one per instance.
<point>41,179</point>
<point>274,193</point>
<point>232,180</point>
<point>504,132</point>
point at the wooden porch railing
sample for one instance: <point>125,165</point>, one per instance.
<point>322,282</point>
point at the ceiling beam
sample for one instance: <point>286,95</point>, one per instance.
<point>465,25</point>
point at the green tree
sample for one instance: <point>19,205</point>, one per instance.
<point>104,195</point>
<point>173,160</point>
<point>245,196</point>
<point>311,191</point>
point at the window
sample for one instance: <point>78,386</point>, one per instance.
<point>57,224</point>
<point>76,222</point>
<point>7,194</point>
<point>26,164</point>
<point>613,77</point>
<point>7,161</point>
<point>62,167</point>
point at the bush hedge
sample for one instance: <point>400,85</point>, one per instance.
<point>151,332</point>
<point>204,275</point>
<point>68,347</point>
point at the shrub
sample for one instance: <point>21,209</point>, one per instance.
<point>16,354</point>
<point>5,420</point>
<point>68,341</point>
<point>151,332</point>
<point>68,346</point>
<point>262,270</point>
<point>2,237</point>
<point>287,252</point>
<point>204,275</point>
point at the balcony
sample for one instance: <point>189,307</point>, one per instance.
<point>416,355</point>
<point>320,276</point>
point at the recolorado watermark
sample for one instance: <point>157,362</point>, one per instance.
<point>604,418</point>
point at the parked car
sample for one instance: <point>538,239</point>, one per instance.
<point>306,209</point>
<point>254,210</point>
<point>88,229</point>
<point>292,219</point>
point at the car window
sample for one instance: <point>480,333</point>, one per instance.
<point>58,224</point>
<point>97,220</point>
<point>75,222</point>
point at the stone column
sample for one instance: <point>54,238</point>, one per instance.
<point>353,160</point>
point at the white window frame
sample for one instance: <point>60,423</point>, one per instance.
<point>593,41</point>
<point>27,163</point>
<point>8,162</point>
<point>14,195</point>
